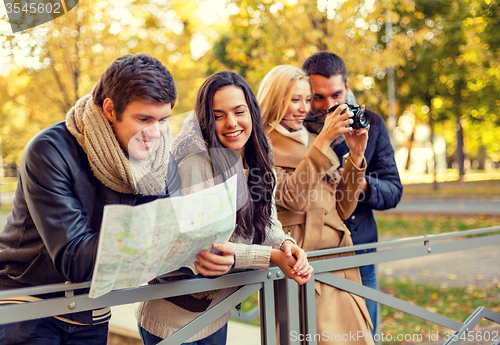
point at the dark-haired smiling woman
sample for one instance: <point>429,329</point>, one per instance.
<point>226,136</point>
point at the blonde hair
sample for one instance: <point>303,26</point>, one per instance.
<point>275,93</point>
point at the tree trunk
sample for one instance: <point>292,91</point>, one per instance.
<point>481,157</point>
<point>410,146</point>
<point>435,185</point>
<point>459,152</point>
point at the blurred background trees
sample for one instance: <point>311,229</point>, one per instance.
<point>445,56</point>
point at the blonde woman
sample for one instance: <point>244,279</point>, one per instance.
<point>312,197</point>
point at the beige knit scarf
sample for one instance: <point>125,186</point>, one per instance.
<point>108,161</point>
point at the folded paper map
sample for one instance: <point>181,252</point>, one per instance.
<point>139,243</point>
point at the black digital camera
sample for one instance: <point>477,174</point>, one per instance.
<point>360,118</point>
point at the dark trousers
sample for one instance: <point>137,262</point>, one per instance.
<point>51,331</point>
<point>369,279</point>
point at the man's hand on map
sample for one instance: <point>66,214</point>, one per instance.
<point>287,263</point>
<point>212,264</point>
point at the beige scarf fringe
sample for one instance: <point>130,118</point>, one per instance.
<point>108,161</point>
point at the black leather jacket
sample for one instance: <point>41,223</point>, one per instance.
<point>52,234</point>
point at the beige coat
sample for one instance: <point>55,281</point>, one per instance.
<point>312,199</point>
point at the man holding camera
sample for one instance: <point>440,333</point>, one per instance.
<point>382,187</point>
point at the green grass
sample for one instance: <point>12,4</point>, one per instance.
<point>418,225</point>
<point>456,303</point>
<point>477,190</point>
<point>248,304</point>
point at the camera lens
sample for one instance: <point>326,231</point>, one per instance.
<point>361,120</point>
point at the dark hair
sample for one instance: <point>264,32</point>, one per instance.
<point>135,77</point>
<point>326,64</point>
<point>255,216</point>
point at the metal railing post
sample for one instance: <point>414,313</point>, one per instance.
<point>288,310</point>
<point>267,319</point>
<point>309,308</point>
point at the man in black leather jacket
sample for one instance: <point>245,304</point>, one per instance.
<point>382,186</point>
<point>67,174</point>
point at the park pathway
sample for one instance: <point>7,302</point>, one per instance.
<point>464,207</point>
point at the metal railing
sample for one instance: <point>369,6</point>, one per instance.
<point>264,282</point>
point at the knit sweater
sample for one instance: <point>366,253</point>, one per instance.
<point>163,318</point>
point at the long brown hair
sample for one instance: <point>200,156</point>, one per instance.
<point>255,216</point>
